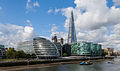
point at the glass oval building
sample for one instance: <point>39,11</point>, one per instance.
<point>26,46</point>
<point>45,48</point>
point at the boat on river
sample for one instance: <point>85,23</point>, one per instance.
<point>110,62</point>
<point>86,63</point>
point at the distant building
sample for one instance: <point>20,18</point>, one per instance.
<point>59,46</point>
<point>58,43</point>
<point>26,46</point>
<point>72,33</point>
<point>60,40</point>
<point>45,48</point>
<point>116,53</point>
<point>109,51</point>
<point>42,47</point>
<point>86,49</point>
<point>54,39</point>
<point>6,49</point>
<point>2,52</point>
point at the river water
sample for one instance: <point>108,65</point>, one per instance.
<point>97,66</point>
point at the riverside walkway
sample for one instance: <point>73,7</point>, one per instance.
<point>47,61</point>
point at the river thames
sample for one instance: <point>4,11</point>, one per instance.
<point>97,66</point>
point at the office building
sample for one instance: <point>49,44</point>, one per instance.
<point>58,43</point>
<point>72,33</point>
<point>109,51</point>
<point>2,52</point>
<point>54,39</point>
<point>86,49</point>
<point>26,46</point>
<point>45,48</point>
<point>60,40</point>
<point>59,47</point>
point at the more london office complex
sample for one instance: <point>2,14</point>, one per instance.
<point>44,48</point>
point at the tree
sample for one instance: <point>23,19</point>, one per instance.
<point>104,54</point>
<point>28,56</point>
<point>20,54</point>
<point>10,53</point>
<point>66,48</point>
<point>33,56</point>
<point>64,54</point>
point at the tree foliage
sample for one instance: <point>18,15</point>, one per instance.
<point>104,53</point>
<point>33,56</point>
<point>64,54</point>
<point>28,56</point>
<point>20,54</point>
<point>10,53</point>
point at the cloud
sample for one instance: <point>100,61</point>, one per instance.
<point>116,2</point>
<point>28,5</point>
<point>12,34</point>
<point>36,4</point>
<point>59,34</point>
<point>96,14</point>
<point>57,10</point>
<point>28,22</point>
<point>54,28</point>
<point>54,11</point>
<point>97,36</point>
<point>31,5</point>
<point>50,11</point>
<point>95,22</point>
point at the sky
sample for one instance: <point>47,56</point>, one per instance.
<point>96,21</point>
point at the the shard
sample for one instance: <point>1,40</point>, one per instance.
<point>72,33</point>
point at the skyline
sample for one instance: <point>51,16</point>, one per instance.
<point>95,20</point>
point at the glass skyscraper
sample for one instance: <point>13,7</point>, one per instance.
<point>71,34</point>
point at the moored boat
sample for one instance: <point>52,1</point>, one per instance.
<point>111,62</point>
<point>86,63</point>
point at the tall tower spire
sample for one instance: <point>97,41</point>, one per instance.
<point>72,33</point>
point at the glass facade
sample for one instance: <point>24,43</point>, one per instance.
<point>26,46</point>
<point>86,48</point>
<point>59,47</point>
<point>44,48</point>
<point>72,33</point>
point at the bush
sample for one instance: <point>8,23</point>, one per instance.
<point>33,56</point>
<point>20,54</point>
<point>10,54</point>
<point>28,56</point>
<point>64,54</point>
<point>6,64</point>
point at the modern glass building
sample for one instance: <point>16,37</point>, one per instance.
<point>45,48</point>
<point>26,46</point>
<point>72,33</point>
<point>86,49</point>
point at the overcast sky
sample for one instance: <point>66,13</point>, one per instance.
<point>96,21</point>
